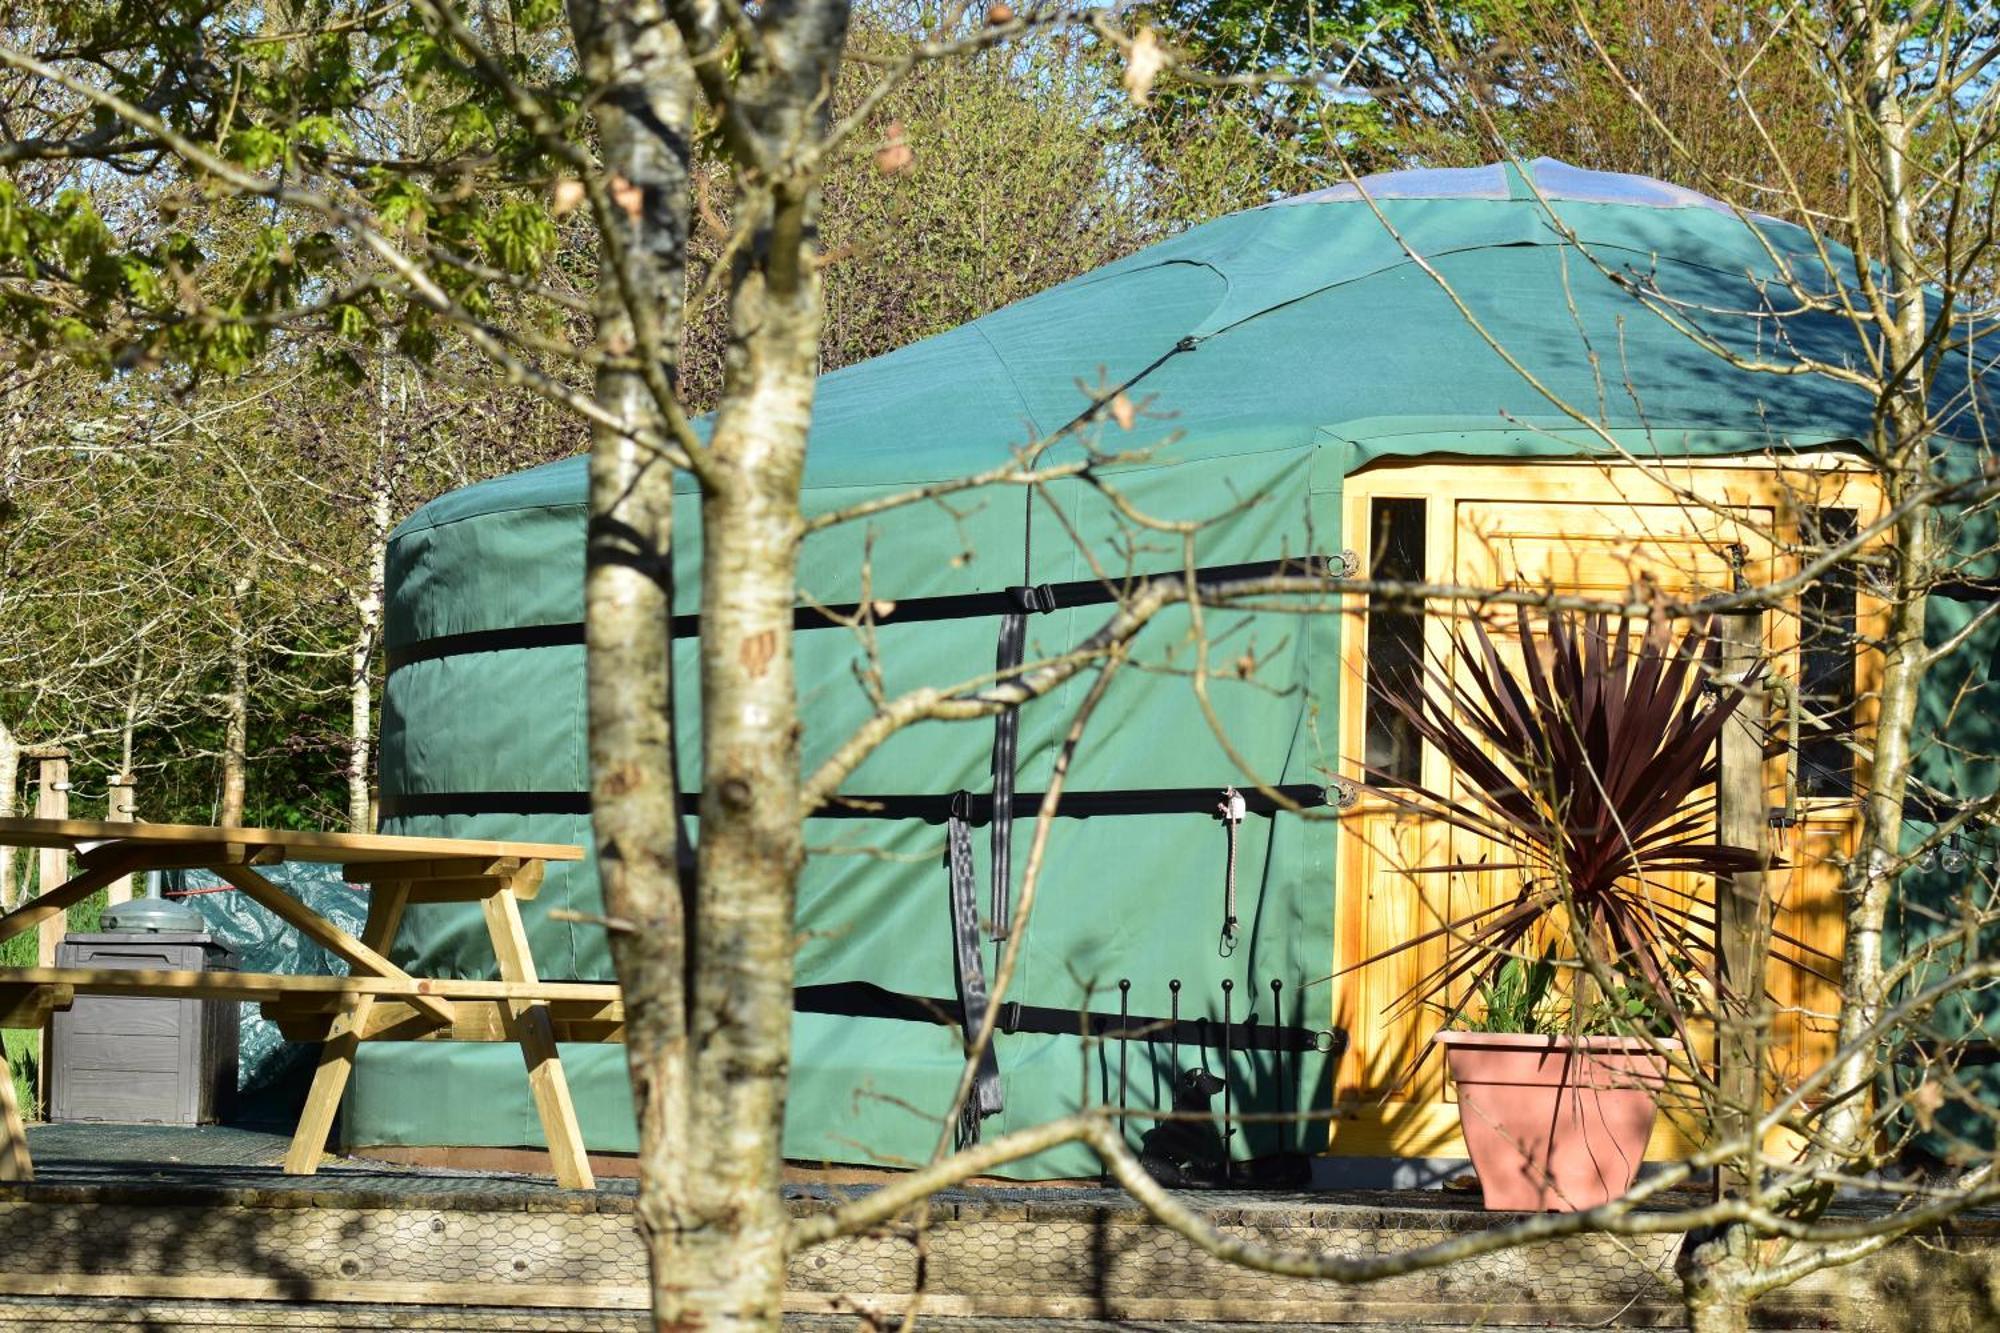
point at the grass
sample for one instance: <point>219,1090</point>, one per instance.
<point>24,1049</point>
<point>87,915</point>
<point>23,1054</point>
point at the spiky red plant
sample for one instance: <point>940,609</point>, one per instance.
<point>1584,765</point>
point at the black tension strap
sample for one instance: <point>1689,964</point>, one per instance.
<point>967,965</point>
<point>1007,659</point>
<point>1110,803</point>
<point>908,611</point>
<point>931,809</point>
<point>862,999</point>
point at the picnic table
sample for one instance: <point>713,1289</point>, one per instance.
<point>377,1000</point>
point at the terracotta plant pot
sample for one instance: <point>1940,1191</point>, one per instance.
<point>1555,1124</point>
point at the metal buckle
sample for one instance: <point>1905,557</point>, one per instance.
<point>1033,597</point>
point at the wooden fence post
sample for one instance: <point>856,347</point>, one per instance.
<point>52,868</point>
<point>51,802</point>
<point>10,791</point>
<point>1741,902</point>
<point>120,807</point>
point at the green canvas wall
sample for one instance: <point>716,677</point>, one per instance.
<point>1272,353</point>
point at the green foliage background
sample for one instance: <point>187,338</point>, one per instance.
<point>210,389</point>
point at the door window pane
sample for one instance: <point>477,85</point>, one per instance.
<point>1395,639</point>
<point>1826,661</point>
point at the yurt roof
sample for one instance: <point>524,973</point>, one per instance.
<point>1424,312</point>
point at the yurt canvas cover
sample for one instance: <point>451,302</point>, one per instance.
<point>1270,354</point>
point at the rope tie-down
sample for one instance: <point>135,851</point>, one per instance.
<point>1231,812</point>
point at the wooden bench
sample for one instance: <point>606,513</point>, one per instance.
<point>377,1001</point>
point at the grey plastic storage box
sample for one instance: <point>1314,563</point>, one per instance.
<point>141,1059</point>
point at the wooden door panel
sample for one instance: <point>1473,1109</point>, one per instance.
<point>1381,847</point>
<point>1526,527</point>
<point>1594,549</point>
<point>1802,978</point>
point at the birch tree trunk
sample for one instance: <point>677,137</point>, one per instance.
<point>10,788</point>
<point>1717,1268</point>
<point>704,946</point>
<point>644,118</point>
<point>368,616</point>
<point>236,706</point>
<point>751,848</point>
<point>1901,445</point>
<point>1724,1313</point>
<point>752,845</point>
<point>361,695</point>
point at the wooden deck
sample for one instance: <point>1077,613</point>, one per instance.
<point>160,1229</point>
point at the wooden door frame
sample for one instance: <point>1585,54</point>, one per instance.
<point>1427,1125</point>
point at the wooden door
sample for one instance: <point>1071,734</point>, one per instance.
<point>1587,531</point>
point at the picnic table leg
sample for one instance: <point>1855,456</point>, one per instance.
<point>529,1024</point>
<point>14,1161</point>
<point>336,1058</point>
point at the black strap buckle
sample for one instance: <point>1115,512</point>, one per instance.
<point>1036,597</point>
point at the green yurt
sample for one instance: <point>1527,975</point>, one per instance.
<point>1296,376</point>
